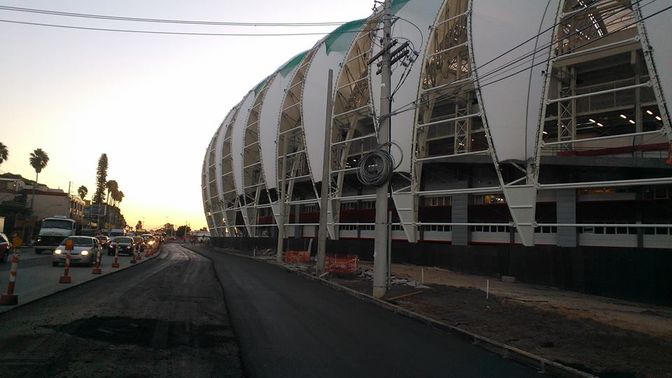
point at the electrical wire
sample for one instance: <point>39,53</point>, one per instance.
<point>413,105</point>
<point>174,32</point>
<point>163,20</point>
<point>520,60</point>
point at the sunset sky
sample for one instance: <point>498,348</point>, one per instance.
<point>151,102</point>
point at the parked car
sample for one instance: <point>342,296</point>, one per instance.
<point>123,245</point>
<point>84,251</point>
<point>4,247</point>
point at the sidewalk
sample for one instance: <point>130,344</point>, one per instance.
<point>37,278</point>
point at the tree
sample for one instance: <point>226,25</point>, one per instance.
<point>101,179</point>
<point>112,190</point>
<point>119,196</point>
<point>180,233</point>
<point>4,153</point>
<point>82,191</point>
<point>38,160</point>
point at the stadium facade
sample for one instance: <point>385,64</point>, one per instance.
<point>532,123</point>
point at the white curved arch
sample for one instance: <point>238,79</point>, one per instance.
<point>412,16</point>
<point>219,143</point>
<point>511,97</point>
<point>237,140</point>
<point>268,131</point>
<point>315,96</point>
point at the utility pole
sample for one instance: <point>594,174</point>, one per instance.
<point>380,259</point>
<point>326,181</point>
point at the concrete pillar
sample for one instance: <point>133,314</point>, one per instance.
<point>460,214</point>
<point>566,213</point>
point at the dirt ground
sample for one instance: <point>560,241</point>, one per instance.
<point>603,336</point>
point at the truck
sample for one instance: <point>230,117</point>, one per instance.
<point>52,232</point>
<point>117,232</point>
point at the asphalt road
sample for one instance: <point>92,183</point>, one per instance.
<point>288,326</point>
<point>163,318</point>
<point>37,278</point>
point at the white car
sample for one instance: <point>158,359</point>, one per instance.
<point>84,251</point>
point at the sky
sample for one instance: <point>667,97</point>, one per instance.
<point>151,102</point>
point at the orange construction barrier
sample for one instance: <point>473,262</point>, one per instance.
<point>65,278</point>
<point>115,263</point>
<point>342,264</point>
<point>9,298</point>
<point>296,257</point>
<point>96,269</point>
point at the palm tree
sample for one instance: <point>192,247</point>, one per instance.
<point>117,196</point>
<point>82,191</point>
<point>112,187</point>
<point>38,160</point>
<point>4,153</point>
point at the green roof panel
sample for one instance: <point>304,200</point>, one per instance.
<point>397,5</point>
<point>341,38</point>
<point>291,64</point>
<point>261,85</point>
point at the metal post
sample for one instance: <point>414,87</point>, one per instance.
<point>380,259</point>
<point>326,181</point>
<point>281,200</point>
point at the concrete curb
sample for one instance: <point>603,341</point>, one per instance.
<point>71,286</point>
<point>543,365</point>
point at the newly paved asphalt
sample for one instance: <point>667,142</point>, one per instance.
<point>289,326</point>
<point>162,318</point>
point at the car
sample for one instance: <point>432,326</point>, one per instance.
<point>123,245</point>
<point>150,239</point>
<point>4,247</point>
<point>84,251</point>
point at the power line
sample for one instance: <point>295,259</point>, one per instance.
<point>164,20</point>
<point>171,32</point>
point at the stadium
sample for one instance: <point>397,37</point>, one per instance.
<point>528,138</point>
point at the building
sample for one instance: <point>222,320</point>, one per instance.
<point>102,218</point>
<point>514,123</point>
<point>529,139</point>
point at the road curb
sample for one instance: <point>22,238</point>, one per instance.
<point>543,365</point>
<point>72,286</point>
